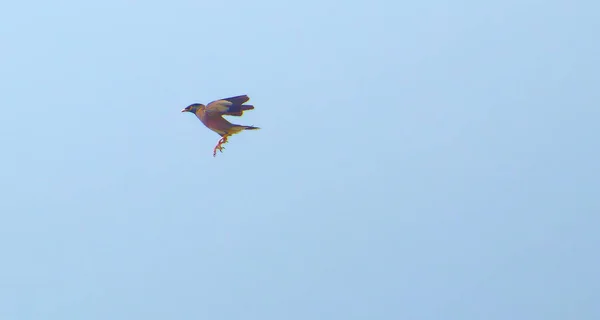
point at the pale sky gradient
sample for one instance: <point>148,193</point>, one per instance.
<point>418,160</point>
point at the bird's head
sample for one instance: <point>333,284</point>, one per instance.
<point>193,107</point>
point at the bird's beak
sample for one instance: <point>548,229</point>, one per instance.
<point>183,110</point>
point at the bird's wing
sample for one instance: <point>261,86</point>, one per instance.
<point>238,100</point>
<point>218,107</point>
<point>228,106</point>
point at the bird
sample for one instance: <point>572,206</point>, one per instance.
<point>211,115</point>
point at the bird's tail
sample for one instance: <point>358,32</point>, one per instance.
<point>239,128</point>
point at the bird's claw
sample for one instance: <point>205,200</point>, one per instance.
<point>219,146</point>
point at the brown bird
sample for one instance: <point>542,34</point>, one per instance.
<point>212,117</point>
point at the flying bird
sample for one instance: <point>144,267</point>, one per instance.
<point>212,117</point>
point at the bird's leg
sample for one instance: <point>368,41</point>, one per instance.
<point>219,145</point>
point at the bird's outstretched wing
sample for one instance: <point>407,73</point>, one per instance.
<point>233,106</point>
<point>238,100</point>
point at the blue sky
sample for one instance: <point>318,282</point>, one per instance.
<point>417,160</point>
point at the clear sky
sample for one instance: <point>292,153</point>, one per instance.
<point>417,160</point>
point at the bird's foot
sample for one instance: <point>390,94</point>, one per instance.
<point>219,146</point>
